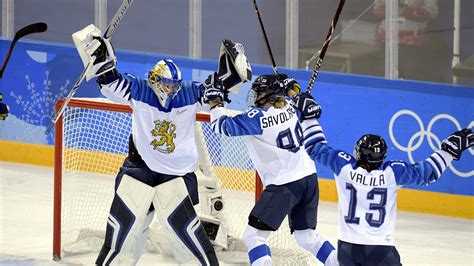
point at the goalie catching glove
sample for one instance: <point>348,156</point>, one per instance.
<point>214,91</point>
<point>307,105</point>
<point>91,46</point>
<point>458,142</point>
<point>234,69</point>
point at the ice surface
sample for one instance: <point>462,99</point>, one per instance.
<point>26,225</point>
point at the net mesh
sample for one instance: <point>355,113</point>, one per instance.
<point>95,143</point>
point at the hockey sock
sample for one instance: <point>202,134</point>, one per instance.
<point>322,249</point>
<point>257,246</point>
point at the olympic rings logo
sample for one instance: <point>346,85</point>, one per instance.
<point>419,136</point>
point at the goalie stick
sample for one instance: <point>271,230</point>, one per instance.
<point>106,35</point>
<point>325,47</point>
<point>257,12</point>
<point>32,28</point>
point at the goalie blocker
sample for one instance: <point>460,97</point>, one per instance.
<point>91,46</point>
<point>234,68</point>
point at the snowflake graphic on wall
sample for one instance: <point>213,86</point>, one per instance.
<point>38,109</point>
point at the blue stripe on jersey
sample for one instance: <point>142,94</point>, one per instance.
<point>327,156</point>
<point>173,70</point>
<point>241,125</point>
<point>312,126</point>
<point>123,84</point>
<point>324,252</point>
<point>220,122</point>
<point>442,159</point>
<point>311,137</point>
<point>440,168</point>
<point>420,173</point>
<point>188,95</point>
<point>311,143</point>
<point>259,252</point>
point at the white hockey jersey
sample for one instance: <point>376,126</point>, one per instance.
<point>165,138</point>
<point>367,205</point>
<point>274,141</point>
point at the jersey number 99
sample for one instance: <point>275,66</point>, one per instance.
<point>286,141</point>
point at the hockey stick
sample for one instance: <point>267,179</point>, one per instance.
<point>33,28</point>
<point>325,47</point>
<point>314,56</point>
<point>275,70</point>
<point>106,35</point>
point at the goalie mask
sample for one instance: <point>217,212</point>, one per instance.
<point>165,80</point>
<point>265,89</point>
<point>370,151</point>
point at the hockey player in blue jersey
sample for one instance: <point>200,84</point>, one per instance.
<point>157,178</point>
<point>273,137</point>
<point>367,186</point>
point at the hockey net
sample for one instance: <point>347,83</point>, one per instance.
<point>91,142</point>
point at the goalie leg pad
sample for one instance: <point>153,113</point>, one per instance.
<point>257,246</point>
<point>180,223</point>
<point>315,243</point>
<point>126,222</point>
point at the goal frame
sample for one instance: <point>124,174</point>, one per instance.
<point>58,151</point>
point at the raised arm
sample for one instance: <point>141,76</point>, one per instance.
<point>244,124</point>
<point>117,87</point>
<point>430,170</point>
<point>315,141</point>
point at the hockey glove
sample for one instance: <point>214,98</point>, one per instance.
<point>458,142</point>
<point>105,59</point>
<point>289,83</point>
<point>89,44</point>
<point>214,90</point>
<point>233,68</point>
<point>308,106</point>
<point>3,109</point>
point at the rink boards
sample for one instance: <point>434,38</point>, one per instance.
<point>413,117</point>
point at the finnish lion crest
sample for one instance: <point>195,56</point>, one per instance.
<point>164,133</point>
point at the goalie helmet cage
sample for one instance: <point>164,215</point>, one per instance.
<point>91,142</point>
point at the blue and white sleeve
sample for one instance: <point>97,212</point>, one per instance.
<point>318,149</point>
<point>247,123</point>
<point>120,89</point>
<point>423,172</point>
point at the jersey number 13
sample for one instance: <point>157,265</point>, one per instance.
<point>377,206</point>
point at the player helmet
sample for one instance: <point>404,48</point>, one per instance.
<point>266,88</point>
<point>165,80</point>
<point>370,151</point>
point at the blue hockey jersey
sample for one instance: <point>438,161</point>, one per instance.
<point>367,204</point>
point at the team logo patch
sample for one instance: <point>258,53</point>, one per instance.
<point>164,136</point>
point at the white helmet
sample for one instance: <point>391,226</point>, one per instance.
<point>165,80</point>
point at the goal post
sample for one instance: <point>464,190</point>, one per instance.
<point>58,158</point>
<point>91,142</point>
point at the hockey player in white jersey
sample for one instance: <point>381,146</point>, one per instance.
<point>273,137</point>
<point>157,177</point>
<point>367,186</point>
